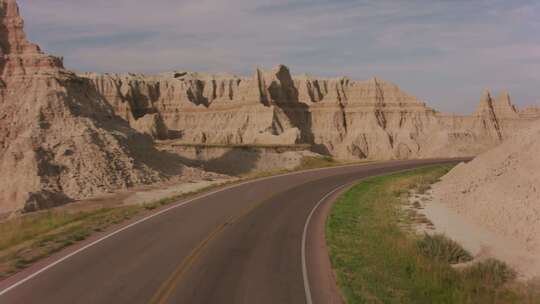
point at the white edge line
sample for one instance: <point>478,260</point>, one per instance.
<point>35,274</point>
<point>307,288</point>
<point>304,266</point>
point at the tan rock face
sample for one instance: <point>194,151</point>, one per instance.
<point>18,55</point>
<point>153,125</point>
<point>349,119</point>
<point>207,108</point>
<point>65,137</point>
<point>530,113</point>
<point>59,139</point>
<point>500,189</point>
<point>504,108</point>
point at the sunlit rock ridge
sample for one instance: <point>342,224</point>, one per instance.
<point>348,119</point>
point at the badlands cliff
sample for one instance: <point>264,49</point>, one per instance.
<point>66,137</point>
<point>348,119</point>
<point>59,140</point>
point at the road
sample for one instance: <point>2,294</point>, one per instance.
<point>241,244</point>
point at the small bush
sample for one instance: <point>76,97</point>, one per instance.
<point>21,264</point>
<point>490,272</point>
<point>399,192</point>
<point>442,248</point>
<point>423,188</point>
<point>150,206</point>
<point>80,235</point>
<point>317,162</point>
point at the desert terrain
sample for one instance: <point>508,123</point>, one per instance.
<point>67,136</point>
<point>93,141</point>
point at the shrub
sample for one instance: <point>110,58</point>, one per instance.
<point>490,272</point>
<point>442,248</point>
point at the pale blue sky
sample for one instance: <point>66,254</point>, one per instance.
<point>445,52</point>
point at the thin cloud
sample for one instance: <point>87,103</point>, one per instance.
<point>445,52</point>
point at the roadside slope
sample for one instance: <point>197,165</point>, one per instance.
<point>500,190</point>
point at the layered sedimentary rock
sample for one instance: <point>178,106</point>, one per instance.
<point>348,119</point>
<point>531,112</point>
<point>65,136</point>
<point>59,139</point>
<point>203,108</point>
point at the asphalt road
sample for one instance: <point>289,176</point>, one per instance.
<point>243,244</point>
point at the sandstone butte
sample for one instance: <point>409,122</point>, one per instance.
<point>347,119</point>
<point>66,137</point>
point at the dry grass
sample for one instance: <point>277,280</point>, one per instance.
<point>28,238</point>
<point>317,162</point>
<point>33,236</point>
<point>378,260</point>
<point>442,248</point>
<point>492,272</point>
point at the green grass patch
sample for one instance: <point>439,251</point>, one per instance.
<point>378,260</point>
<point>317,162</point>
<point>28,238</point>
<point>33,236</point>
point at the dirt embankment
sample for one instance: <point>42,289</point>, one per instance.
<point>497,196</point>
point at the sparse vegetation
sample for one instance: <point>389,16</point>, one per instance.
<point>493,273</point>
<point>28,238</point>
<point>317,162</point>
<point>444,249</point>
<point>379,259</point>
<point>314,162</point>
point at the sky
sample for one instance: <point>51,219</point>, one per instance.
<point>445,52</point>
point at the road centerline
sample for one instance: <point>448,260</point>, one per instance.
<point>272,268</point>
<point>151,216</point>
<point>167,288</point>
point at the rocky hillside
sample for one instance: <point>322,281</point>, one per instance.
<point>500,189</point>
<point>348,119</point>
<point>65,137</point>
<point>59,139</point>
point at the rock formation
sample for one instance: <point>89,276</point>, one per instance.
<point>65,136</point>
<point>348,119</point>
<point>203,108</point>
<point>531,112</point>
<point>500,189</point>
<point>59,139</point>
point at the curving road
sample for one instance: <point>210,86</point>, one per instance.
<point>249,243</point>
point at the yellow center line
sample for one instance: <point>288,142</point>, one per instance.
<point>167,288</point>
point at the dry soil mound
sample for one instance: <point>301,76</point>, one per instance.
<point>500,189</point>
